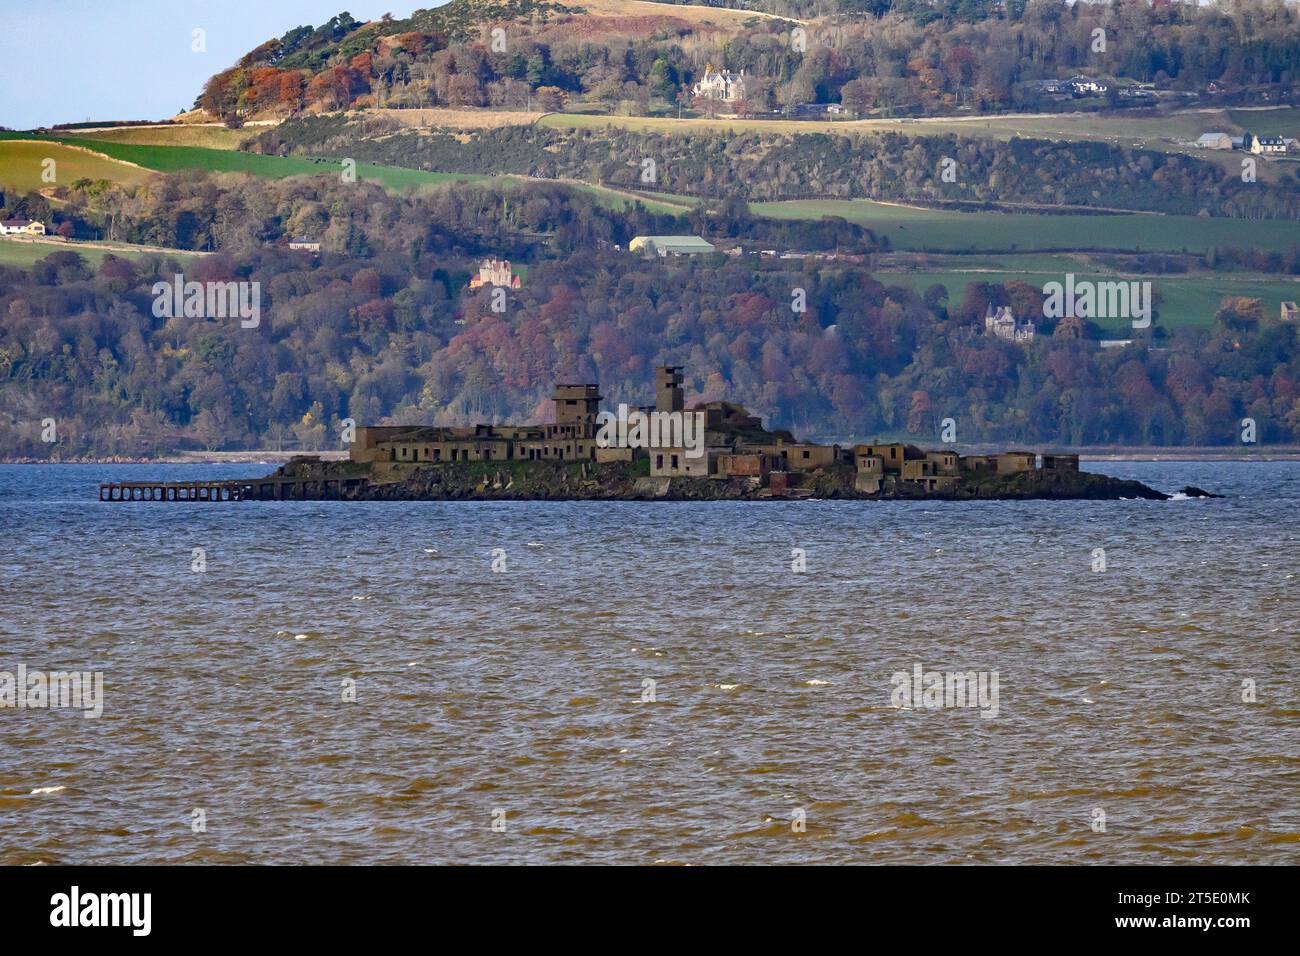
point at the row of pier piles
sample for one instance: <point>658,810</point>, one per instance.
<point>257,489</point>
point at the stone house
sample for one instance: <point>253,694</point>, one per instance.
<point>495,272</point>
<point>1003,324</point>
<point>721,85</point>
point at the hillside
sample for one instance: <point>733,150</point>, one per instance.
<point>383,327</point>
<point>638,57</point>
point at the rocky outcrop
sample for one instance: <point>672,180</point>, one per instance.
<point>628,481</point>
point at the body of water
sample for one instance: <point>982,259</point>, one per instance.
<point>652,682</point>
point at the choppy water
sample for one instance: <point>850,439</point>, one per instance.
<point>521,691</point>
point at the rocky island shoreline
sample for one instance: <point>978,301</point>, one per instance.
<point>631,481</point>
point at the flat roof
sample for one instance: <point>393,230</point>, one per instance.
<point>675,240</point>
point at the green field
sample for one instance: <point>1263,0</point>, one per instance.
<point>1187,300</point>
<point>1284,121</point>
<point>22,254</point>
<point>912,228</point>
<point>615,199</point>
<point>171,159</point>
<point>22,161</point>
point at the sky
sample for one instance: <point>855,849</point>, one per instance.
<point>132,59</point>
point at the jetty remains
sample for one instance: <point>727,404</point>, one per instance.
<point>276,487</point>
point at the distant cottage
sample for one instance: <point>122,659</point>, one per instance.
<point>1074,86</point>
<point>304,244</point>
<point>21,227</point>
<point>1290,312</point>
<point>1086,85</point>
<point>1002,323</point>
<point>1267,144</point>
<point>495,272</point>
<point>721,85</point>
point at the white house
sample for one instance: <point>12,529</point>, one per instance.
<point>1086,85</point>
<point>721,85</point>
<point>21,227</point>
<point>1267,144</point>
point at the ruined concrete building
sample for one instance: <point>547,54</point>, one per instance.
<point>733,445</point>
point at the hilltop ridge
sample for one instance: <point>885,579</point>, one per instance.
<point>649,57</point>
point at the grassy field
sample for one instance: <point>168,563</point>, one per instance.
<point>918,229</point>
<point>14,252</point>
<point>621,199</point>
<point>210,137</point>
<point>20,165</point>
<point>170,159</point>
<point>1284,121</point>
<point>1187,300</point>
<point>23,159</point>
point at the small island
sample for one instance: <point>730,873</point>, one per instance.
<point>710,452</point>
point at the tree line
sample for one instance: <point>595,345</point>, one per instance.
<point>761,166</point>
<point>382,328</point>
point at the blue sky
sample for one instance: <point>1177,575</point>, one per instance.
<point>131,59</point>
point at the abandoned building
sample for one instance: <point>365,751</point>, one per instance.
<point>734,445</point>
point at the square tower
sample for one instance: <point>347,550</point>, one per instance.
<point>576,407</point>
<point>668,388</point>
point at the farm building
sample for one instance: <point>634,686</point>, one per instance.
<point>672,245</point>
<point>1214,141</point>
